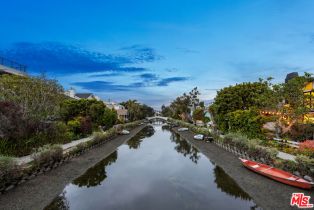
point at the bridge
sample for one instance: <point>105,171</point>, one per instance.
<point>157,118</point>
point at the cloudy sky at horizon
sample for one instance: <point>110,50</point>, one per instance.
<point>153,51</point>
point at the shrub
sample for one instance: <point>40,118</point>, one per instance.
<point>47,154</point>
<point>9,170</point>
<point>251,146</point>
<point>248,122</point>
<point>300,131</point>
<point>307,148</point>
<point>86,126</point>
<point>286,165</point>
<point>74,126</point>
<point>305,165</point>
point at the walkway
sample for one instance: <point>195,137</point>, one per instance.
<point>65,147</point>
<point>286,156</point>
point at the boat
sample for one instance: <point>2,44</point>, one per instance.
<point>277,174</point>
<point>199,137</point>
<point>125,132</point>
<point>183,129</point>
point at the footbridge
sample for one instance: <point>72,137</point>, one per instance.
<point>157,118</point>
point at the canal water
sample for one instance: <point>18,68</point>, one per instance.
<point>154,170</point>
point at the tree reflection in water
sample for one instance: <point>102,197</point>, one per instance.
<point>185,148</point>
<point>228,185</point>
<point>136,141</point>
<point>95,175</point>
<point>60,203</point>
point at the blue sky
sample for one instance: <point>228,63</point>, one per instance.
<point>154,51</point>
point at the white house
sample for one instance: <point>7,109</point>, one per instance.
<point>71,93</point>
<point>122,112</point>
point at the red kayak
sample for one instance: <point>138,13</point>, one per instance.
<point>277,174</point>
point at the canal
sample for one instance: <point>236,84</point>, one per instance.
<point>156,169</point>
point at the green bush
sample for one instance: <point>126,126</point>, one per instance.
<point>74,126</point>
<point>305,165</point>
<point>248,122</point>
<point>251,146</point>
<point>46,154</point>
<point>49,133</point>
<point>9,170</point>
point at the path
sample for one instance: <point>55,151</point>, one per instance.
<point>28,158</point>
<point>286,156</point>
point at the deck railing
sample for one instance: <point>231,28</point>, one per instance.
<point>12,64</point>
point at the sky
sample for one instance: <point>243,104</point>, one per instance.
<point>153,51</point>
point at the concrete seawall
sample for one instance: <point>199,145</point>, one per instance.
<point>40,191</point>
<point>265,192</point>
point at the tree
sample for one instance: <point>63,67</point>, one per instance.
<point>38,97</point>
<point>198,114</point>
<point>288,101</point>
<point>239,97</point>
<point>166,111</point>
<point>29,109</point>
<point>95,110</point>
<point>137,111</point>
<point>181,107</point>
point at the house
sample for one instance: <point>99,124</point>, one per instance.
<point>71,93</point>
<point>87,96</point>
<point>11,67</point>
<point>309,92</point>
<point>309,101</point>
<point>122,112</point>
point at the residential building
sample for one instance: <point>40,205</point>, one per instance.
<point>122,112</point>
<point>309,91</point>
<point>71,93</point>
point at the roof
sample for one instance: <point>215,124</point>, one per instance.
<point>84,95</point>
<point>291,76</point>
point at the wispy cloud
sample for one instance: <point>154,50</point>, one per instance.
<point>140,54</point>
<point>148,77</point>
<point>167,81</point>
<point>58,58</point>
<point>102,86</point>
<point>107,74</point>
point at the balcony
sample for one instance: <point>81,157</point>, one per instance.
<point>11,67</point>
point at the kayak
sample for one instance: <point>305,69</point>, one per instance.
<point>277,174</point>
<point>199,137</point>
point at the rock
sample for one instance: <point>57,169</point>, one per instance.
<point>9,188</point>
<point>308,178</point>
<point>297,173</point>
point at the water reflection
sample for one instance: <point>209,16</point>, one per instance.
<point>228,185</point>
<point>95,175</point>
<point>135,142</point>
<point>59,203</point>
<point>152,174</point>
<point>185,148</point>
